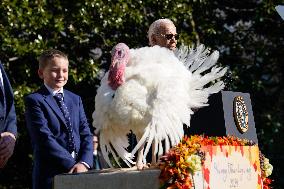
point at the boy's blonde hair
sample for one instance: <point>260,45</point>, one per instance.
<point>48,55</point>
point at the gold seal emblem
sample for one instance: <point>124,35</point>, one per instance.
<point>240,114</point>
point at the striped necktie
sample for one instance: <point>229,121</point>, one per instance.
<point>64,110</point>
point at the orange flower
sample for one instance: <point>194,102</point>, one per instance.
<point>175,170</point>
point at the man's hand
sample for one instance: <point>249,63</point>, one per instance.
<point>7,144</point>
<point>78,168</point>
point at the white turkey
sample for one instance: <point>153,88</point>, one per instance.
<point>152,91</point>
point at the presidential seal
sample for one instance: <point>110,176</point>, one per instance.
<point>240,114</point>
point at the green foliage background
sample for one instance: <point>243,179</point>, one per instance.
<point>248,34</point>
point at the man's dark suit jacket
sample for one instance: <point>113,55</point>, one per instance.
<point>8,119</point>
<point>99,161</point>
<point>47,129</point>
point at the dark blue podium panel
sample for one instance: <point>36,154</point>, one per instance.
<point>219,118</point>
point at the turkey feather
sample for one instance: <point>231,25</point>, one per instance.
<point>160,90</point>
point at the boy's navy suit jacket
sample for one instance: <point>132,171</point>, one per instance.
<point>47,129</point>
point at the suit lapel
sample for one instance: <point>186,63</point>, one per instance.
<point>69,103</point>
<point>49,99</point>
<point>2,85</point>
<point>7,87</point>
<point>68,100</point>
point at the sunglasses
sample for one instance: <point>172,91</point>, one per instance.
<point>170,36</point>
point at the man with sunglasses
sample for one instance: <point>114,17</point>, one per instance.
<point>162,32</point>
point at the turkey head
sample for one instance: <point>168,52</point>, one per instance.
<point>119,59</point>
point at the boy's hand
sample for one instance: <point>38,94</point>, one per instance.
<point>78,168</point>
<point>7,144</point>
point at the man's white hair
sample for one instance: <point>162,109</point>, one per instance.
<point>155,27</point>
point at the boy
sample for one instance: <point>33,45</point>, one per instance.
<point>60,134</point>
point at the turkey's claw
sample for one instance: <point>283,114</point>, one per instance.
<point>141,166</point>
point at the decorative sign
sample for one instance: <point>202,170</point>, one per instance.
<point>240,114</point>
<point>231,167</point>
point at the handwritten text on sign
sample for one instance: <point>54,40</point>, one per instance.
<point>232,167</point>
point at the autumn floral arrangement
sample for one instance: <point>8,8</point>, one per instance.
<point>183,160</point>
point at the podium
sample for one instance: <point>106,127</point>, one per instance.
<point>233,167</point>
<point>219,118</point>
<point>109,179</point>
